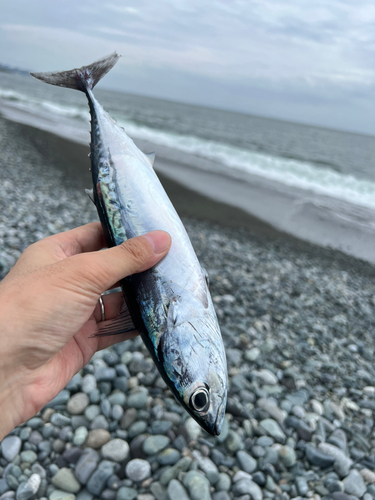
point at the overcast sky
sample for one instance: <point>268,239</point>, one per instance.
<point>301,60</point>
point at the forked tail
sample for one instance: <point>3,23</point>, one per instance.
<point>80,78</point>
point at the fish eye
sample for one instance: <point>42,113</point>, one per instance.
<point>200,399</point>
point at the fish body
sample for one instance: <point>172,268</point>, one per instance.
<point>170,304</point>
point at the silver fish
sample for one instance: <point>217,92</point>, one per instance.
<point>170,304</point>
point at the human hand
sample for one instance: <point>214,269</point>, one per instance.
<point>49,312</point>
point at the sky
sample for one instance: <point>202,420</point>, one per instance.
<point>298,60</point>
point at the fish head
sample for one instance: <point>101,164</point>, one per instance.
<point>194,366</point>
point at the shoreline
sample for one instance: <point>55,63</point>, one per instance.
<point>262,207</point>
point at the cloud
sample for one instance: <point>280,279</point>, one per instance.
<point>317,51</point>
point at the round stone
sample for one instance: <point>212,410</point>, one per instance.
<point>193,430</point>
<point>287,456</point>
<point>77,403</point>
<point>10,447</point>
<point>138,398</point>
<point>97,438</point>
<point>197,485</point>
<point>28,456</point>
<point>247,462</point>
<point>88,383</point>
<point>354,484</point>
<point>138,470</point>
<point>273,429</point>
<point>61,495</point>
<point>65,480</point>
<point>116,450</point>
<point>155,444</point>
<point>126,493</point>
<point>80,436</point>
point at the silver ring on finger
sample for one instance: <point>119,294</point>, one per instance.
<point>102,310</point>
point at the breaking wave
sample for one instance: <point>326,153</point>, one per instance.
<point>295,173</point>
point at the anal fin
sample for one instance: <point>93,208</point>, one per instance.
<point>121,324</point>
<point>90,194</point>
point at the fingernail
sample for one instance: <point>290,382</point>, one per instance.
<point>160,240</point>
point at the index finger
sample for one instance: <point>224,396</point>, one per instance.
<point>87,238</point>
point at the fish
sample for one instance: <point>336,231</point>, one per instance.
<point>170,304</point>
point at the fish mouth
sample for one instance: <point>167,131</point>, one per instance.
<point>219,419</point>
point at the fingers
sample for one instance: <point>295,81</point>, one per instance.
<point>98,271</point>
<point>88,238</point>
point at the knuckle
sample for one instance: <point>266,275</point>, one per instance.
<point>137,250</point>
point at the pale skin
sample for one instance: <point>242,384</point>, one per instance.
<point>49,312</point>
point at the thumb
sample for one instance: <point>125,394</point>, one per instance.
<point>100,270</point>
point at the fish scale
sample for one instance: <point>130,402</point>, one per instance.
<point>169,304</point>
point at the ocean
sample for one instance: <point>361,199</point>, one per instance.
<point>318,161</point>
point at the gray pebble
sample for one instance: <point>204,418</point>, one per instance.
<point>28,456</point>
<point>287,456</point>
<point>246,461</point>
<point>354,484</point>
<point>99,422</point>
<point>247,486</point>
<point>155,444</point>
<point>99,477</point>
<point>177,491</point>
<point>169,456</point>
<point>10,447</point>
<point>88,383</point>
<point>126,493</point>
<point>138,470</point>
<point>65,480</point>
<point>318,457</point>
<point>86,465</point>
<point>105,374</point>
<point>116,450</point>
<point>197,486</point>
<point>273,429</point>
<point>60,420</point>
<point>138,398</point>
<point>77,403</point>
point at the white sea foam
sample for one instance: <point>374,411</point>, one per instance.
<point>294,173</point>
<point>298,174</point>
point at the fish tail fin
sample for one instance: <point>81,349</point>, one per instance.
<point>80,78</point>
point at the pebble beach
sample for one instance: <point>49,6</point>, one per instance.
<point>298,326</point>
